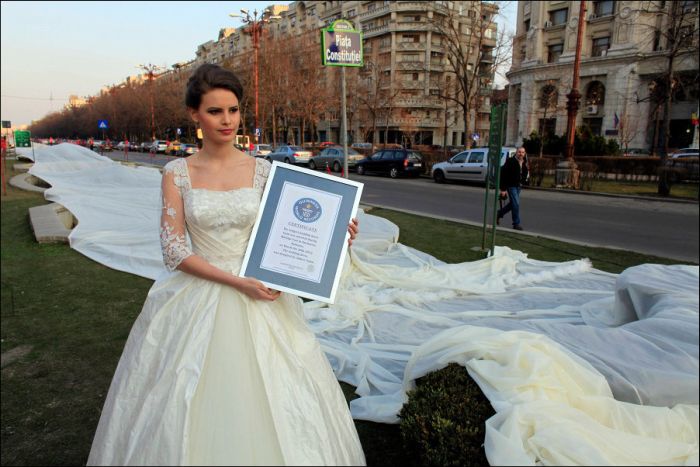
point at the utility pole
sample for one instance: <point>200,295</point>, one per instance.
<point>151,70</point>
<point>567,172</point>
<point>255,25</point>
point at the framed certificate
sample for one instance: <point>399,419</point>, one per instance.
<point>299,240</point>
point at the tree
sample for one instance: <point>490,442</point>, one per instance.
<point>549,97</point>
<point>474,51</point>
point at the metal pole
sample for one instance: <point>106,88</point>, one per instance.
<point>343,129</point>
<point>256,33</point>
<point>574,96</point>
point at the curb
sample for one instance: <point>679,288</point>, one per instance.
<point>609,195</point>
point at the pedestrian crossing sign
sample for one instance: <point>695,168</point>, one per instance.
<point>102,124</point>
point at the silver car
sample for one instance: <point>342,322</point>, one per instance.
<point>261,150</point>
<point>290,155</point>
<point>469,165</point>
<point>332,157</point>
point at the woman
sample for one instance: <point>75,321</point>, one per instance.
<point>220,369</point>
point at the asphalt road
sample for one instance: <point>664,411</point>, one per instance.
<point>663,228</point>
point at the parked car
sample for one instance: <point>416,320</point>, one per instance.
<point>173,147</point>
<point>361,145</point>
<point>186,150</point>
<point>144,147</point>
<point>159,145</point>
<point>97,145</point>
<point>469,165</point>
<point>326,144</point>
<point>333,157</point>
<point>261,150</point>
<point>392,162</point>
<point>290,155</point>
<point>685,152</point>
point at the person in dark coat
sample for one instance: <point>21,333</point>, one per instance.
<point>514,174</point>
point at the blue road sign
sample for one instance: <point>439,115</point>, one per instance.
<point>257,132</point>
<point>179,131</point>
<point>102,124</point>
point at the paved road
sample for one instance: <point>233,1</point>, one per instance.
<point>662,228</point>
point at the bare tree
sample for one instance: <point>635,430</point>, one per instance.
<point>549,97</point>
<point>474,51</point>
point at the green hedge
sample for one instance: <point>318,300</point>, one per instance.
<point>443,422</point>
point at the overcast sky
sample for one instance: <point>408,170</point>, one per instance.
<point>51,50</point>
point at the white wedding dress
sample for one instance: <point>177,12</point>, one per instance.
<point>210,376</point>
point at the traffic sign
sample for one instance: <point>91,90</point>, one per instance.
<point>22,139</point>
<point>102,124</point>
<point>179,131</point>
<point>341,45</point>
<point>257,132</point>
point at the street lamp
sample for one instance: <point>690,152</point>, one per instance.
<point>151,71</point>
<point>255,23</point>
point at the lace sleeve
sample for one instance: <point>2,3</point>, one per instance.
<point>173,242</point>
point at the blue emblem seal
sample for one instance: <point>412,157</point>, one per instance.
<point>307,210</point>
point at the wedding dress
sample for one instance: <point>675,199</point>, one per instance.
<point>210,376</point>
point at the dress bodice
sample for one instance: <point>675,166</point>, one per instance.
<point>219,223</point>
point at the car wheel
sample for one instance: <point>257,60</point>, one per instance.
<point>286,160</point>
<point>312,165</point>
<point>360,170</point>
<point>336,166</point>
<point>394,172</point>
<point>439,177</point>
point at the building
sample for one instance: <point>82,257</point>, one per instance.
<point>624,57</point>
<point>402,47</point>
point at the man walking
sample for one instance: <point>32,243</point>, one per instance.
<point>513,174</point>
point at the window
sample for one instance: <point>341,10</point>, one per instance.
<point>371,6</point>
<point>415,76</point>
<point>558,17</point>
<point>527,25</point>
<point>603,8</point>
<point>476,157</point>
<point>689,5</point>
<point>549,95</point>
<point>685,36</point>
<point>410,58</point>
<point>351,13</point>
<point>459,158</point>
<point>471,14</point>
<point>595,94</point>
<point>657,41</point>
<point>600,47</point>
<point>554,52</point>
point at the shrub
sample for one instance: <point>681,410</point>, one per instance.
<point>539,166</point>
<point>443,422</point>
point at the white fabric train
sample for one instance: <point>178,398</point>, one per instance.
<point>582,366</point>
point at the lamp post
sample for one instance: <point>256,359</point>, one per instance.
<point>255,24</point>
<point>567,173</point>
<point>151,70</point>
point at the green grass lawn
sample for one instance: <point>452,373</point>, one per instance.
<point>72,316</point>
<point>685,190</point>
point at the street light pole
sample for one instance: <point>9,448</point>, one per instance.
<point>255,22</point>
<point>567,172</point>
<point>150,70</point>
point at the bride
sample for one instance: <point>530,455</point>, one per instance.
<point>219,369</point>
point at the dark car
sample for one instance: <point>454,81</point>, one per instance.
<point>392,162</point>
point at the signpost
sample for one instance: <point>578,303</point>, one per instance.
<point>341,45</point>
<point>493,174</point>
<point>102,125</point>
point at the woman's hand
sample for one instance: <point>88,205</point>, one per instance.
<point>353,230</point>
<point>257,290</point>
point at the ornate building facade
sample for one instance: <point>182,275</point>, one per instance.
<point>624,58</point>
<point>402,44</point>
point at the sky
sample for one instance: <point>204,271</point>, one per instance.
<point>51,50</point>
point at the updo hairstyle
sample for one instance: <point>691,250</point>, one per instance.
<point>208,77</point>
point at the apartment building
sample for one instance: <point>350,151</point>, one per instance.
<point>402,46</point>
<point>624,56</point>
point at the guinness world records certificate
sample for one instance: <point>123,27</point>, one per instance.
<point>299,240</point>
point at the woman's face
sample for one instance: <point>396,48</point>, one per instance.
<point>218,116</point>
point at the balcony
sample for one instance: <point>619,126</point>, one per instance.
<point>418,7</point>
<point>412,84</point>
<point>365,15</point>
<point>419,102</point>
<point>411,66</point>
<point>375,31</point>
<point>412,26</point>
<point>411,46</point>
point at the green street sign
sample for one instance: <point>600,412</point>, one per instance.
<point>23,139</point>
<point>341,45</point>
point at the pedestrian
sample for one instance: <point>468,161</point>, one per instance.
<point>220,369</point>
<point>514,175</point>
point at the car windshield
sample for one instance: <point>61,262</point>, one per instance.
<point>295,148</point>
<point>264,146</point>
<point>351,151</point>
<point>414,156</point>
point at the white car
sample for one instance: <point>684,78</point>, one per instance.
<point>685,152</point>
<point>290,155</point>
<point>261,150</point>
<point>470,165</point>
